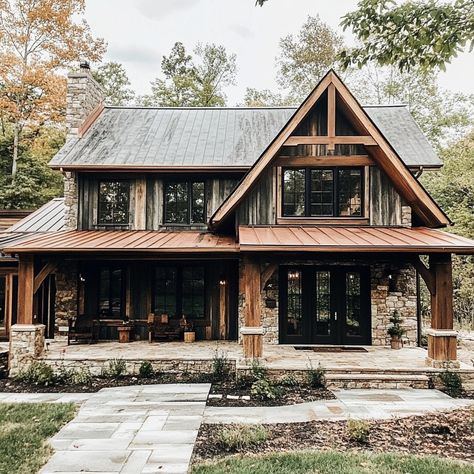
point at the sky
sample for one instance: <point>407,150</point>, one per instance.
<point>140,32</point>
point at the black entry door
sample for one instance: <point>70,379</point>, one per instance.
<point>322,305</point>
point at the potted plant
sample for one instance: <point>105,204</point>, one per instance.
<point>396,331</point>
<point>189,333</point>
<point>124,330</point>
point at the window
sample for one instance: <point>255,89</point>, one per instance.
<point>179,290</point>
<point>111,292</point>
<point>114,203</point>
<point>184,202</point>
<point>322,192</point>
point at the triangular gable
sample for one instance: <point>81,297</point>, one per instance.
<point>379,148</point>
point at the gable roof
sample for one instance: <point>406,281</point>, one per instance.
<point>231,138</point>
<point>384,155</point>
<point>48,218</point>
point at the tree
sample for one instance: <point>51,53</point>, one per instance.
<point>265,98</point>
<point>115,83</point>
<point>413,34</point>
<point>306,57</point>
<point>193,82</point>
<point>38,39</point>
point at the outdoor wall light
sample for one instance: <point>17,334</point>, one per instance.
<point>81,278</point>
<point>222,281</point>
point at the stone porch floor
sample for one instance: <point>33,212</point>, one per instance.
<point>276,357</point>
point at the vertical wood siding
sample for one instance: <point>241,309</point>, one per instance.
<point>385,202</point>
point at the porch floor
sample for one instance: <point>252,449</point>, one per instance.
<point>276,357</point>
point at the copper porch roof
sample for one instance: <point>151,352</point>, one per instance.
<point>120,241</point>
<point>352,239</point>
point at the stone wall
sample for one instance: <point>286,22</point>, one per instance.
<point>66,296</point>
<point>71,201</point>
<point>406,216</point>
<point>26,345</point>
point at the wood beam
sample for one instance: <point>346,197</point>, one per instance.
<point>330,141</point>
<point>267,274</point>
<point>331,115</point>
<point>426,274</point>
<point>442,299</point>
<point>140,204</point>
<point>26,276</point>
<point>47,269</point>
<point>333,160</point>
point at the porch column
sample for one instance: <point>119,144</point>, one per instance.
<point>26,337</point>
<point>442,339</point>
<point>252,331</point>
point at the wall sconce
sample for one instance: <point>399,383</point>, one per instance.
<point>222,281</point>
<point>81,278</point>
<point>293,275</point>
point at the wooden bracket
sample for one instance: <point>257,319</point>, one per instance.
<point>47,269</point>
<point>267,273</point>
<point>427,274</point>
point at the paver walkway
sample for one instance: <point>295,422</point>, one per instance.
<point>132,430</point>
<point>362,404</point>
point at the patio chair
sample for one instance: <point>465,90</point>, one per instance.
<point>160,331</point>
<point>83,328</point>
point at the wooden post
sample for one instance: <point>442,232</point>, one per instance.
<point>26,277</point>
<point>442,339</point>
<point>252,332</point>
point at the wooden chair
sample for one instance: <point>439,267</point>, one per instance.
<point>164,331</point>
<point>83,328</point>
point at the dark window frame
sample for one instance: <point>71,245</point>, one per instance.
<point>113,224</point>
<point>111,268</point>
<point>179,289</point>
<point>189,183</point>
<point>335,202</point>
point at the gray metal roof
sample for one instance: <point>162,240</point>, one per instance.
<point>212,137</point>
<point>48,218</point>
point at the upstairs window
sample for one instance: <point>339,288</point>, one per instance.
<point>184,202</point>
<point>114,203</point>
<point>323,192</point>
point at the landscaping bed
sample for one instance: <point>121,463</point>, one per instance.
<point>444,434</point>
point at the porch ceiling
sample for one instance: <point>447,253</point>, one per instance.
<point>352,239</point>
<point>125,241</point>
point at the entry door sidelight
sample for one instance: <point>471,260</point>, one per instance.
<point>324,305</point>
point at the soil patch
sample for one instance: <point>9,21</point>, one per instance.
<point>445,434</point>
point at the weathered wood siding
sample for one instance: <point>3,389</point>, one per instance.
<point>385,202</point>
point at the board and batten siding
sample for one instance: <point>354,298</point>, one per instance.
<point>385,202</point>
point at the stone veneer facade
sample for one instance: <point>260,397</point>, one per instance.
<point>388,294</point>
<point>26,345</point>
<point>66,296</point>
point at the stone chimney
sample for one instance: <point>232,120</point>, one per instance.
<point>84,94</point>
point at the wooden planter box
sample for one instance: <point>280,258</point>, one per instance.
<point>190,336</point>
<point>124,333</point>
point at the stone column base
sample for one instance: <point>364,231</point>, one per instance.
<point>252,339</point>
<point>442,348</point>
<point>26,345</point>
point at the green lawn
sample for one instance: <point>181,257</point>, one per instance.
<point>333,462</point>
<point>24,430</point>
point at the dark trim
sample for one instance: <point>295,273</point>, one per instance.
<point>189,183</point>
<point>99,224</point>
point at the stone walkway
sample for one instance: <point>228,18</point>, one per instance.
<point>131,430</point>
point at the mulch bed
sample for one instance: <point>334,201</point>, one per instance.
<point>444,434</point>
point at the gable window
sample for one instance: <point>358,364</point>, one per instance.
<point>114,203</point>
<point>184,202</point>
<point>322,192</point>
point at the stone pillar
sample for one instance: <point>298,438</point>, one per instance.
<point>26,345</point>
<point>442,339</point>
<point>71,201</point>
<point>252,332</point>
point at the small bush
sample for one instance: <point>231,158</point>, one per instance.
<point>220,366</point>
<point>358,431</point>
<point>244,381</point>
<point>237,438</point>
<point>289,381</point>
<point>115,369</point>
<point>452,382</point>
<point>265,389</point>
<point>80,376</point>
<point>316,377</point>
<point>38,373</point>
<point>146,370</point>
<point>258,371</point>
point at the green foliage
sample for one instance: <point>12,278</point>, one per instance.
<point>197,81</point>
<point>220,366</point>
<point>396,330</point>
<point>316,377</point>
<point>146,370</point>
<point>426,34</point>
<point>37,373</point>
<point>452,383</point>
<point>236,438</point>
<point>81,376</point>
<point>115,369</point>
<point>24,431</point>
<point>289,381</point>
<point>265,389</point>
<point>257,370</point>
<point>113,78</point>
<point>265,98</point>
<point>358,431</point>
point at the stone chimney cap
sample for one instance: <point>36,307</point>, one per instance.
<point>85,65</point>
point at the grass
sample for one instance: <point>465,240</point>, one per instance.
<point>24,431</point>
<point>241,437</point>
<point>333,462</point>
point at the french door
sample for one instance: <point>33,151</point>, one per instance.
<point>324,305</point>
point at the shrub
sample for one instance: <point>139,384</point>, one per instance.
<point>38,373</point>
<point>358,431</point>
<point>258,371</point>
<point>316,377</point>
<point>80,376</point>
<point>265,389</point>
<point>241,437</point>
<point>244,381</point>
<point>146,370</point>
<point>289,381</point>
<point>220,366</point>
<point>115,369</point>
<point>452,382</point>
<point>396,330</point>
